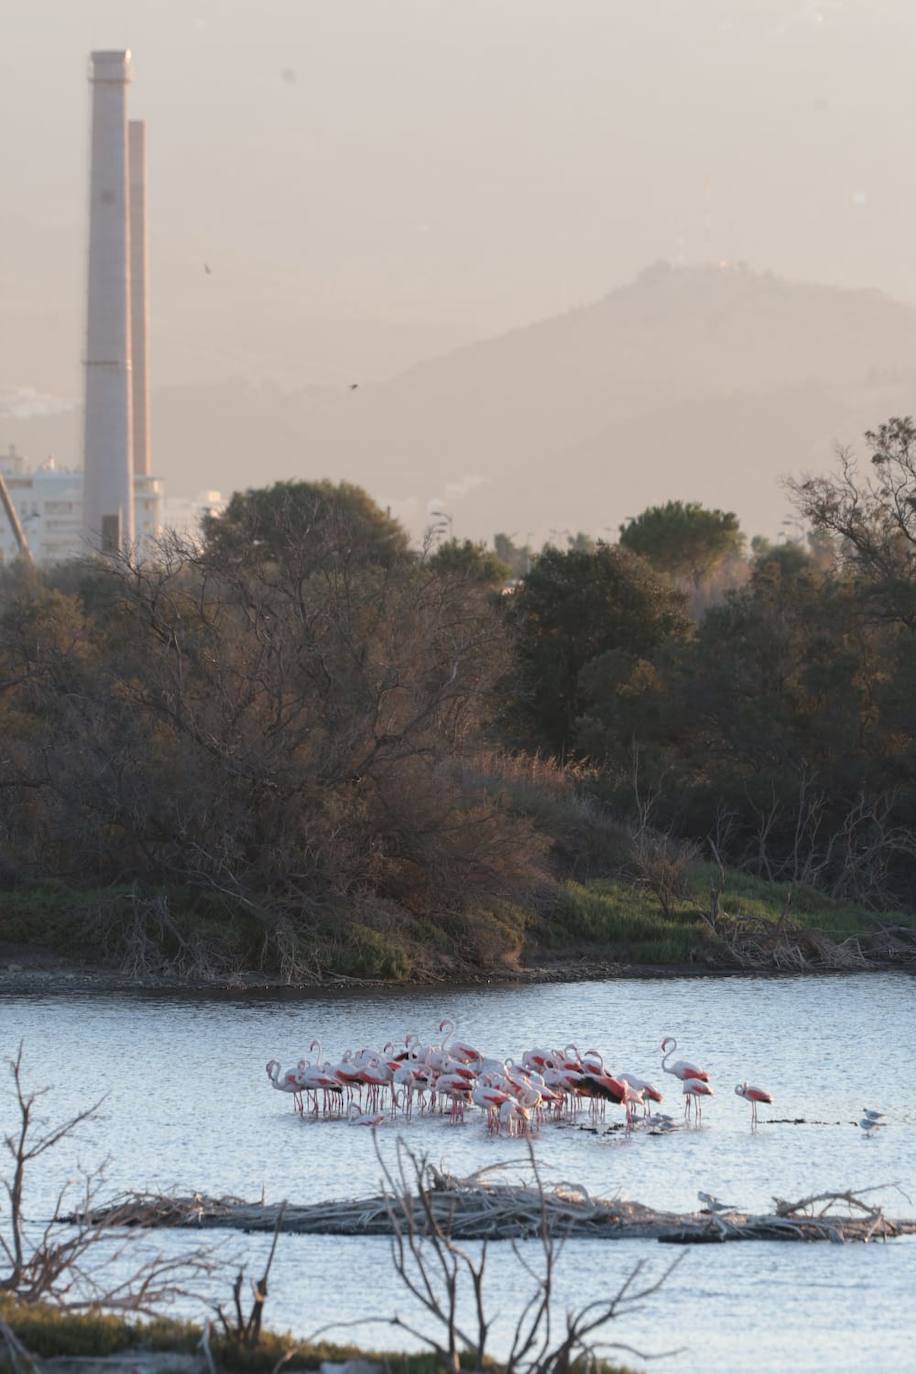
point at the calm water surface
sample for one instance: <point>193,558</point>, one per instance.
<point>189,1106</point>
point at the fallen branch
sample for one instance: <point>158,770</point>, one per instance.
<point>476,1208</point>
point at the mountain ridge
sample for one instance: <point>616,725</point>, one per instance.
<point>706,383</point>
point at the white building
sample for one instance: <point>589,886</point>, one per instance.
<point>49,502</point>
<point>185,514</point>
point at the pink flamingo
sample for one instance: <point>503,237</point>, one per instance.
<point>601,1088</point>
<point>404,1077</point>
<point>650,1094</point>
<point>754,1096</point>
<point>314,1080</point>
<point>459,1090</point>
<point>490,1099</point>
<point>632,1098</point>
<point>514,1117</point>
<point>694,1089</point>
<point>467,1053</point>
<point>538,1058</point>
<point>681,1069</point>
<point>288,1082</point>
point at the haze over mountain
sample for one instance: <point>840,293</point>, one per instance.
<point>705,383</point>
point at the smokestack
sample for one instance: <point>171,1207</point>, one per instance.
<point>108,497</point>
<point>136,144</point>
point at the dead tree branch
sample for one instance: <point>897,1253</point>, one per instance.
<point>78,1260</point>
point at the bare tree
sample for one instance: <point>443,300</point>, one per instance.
<point>275,736</point>
<point>873,516</point>
<point>437,1272</point>
<point>80,1260</point>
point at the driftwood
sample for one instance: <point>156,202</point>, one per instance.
<point>477,1209</point>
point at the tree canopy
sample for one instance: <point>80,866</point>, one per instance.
<point>517,557</point>
<point>464,558</point>
<point>572,607</point>
<point>684,539</point>
<point>307,522</point>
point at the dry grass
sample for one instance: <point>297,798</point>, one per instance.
<point>585,841</point>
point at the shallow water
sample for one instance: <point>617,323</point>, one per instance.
<point>189,1105</point>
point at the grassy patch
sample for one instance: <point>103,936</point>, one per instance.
<point>627,923</point>
<point>199,938</point>
<point>203,941</point>
<point>48,1332</point>
<point>745,895</point>
<point>102,925</point>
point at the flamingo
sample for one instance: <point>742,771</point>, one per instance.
<point>288,1082</point>
<point>491,1100</point>
<point>632,1098</point>
<point>459,1090</point>
<point>752,1095</point>
<point>538,1058</point>
<point>649,1093</point>
<point>631,1090</point>
<point>571,1058</point>
<point>681,1069</point>
<point>406,1078</point>
<point>515,1094</point>
<point>467,1053</point>
<point>514,1117</point>
<point>358,1118</point>
<point>313,1079</point>
<point>693,1089</point>
<point>347,1071</point>
<point>601,1089</point>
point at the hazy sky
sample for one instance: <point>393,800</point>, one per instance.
<point>374,180</point>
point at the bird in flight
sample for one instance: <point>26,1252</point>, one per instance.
<point>354,385</point>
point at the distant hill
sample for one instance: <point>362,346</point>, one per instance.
<point>700,383</point>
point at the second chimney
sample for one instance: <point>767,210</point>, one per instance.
<point>138,296</point>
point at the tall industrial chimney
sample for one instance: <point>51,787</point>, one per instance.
<point>138,322</point>
<point>108,496</point>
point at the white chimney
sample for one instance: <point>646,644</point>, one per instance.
<point>108,497</point>
<point>136,143</point>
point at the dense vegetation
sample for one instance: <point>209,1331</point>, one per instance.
<point>297,746</point>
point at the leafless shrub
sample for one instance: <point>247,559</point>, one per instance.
<point>239,1329</point>
<point>436,1271</point>
<point>81,1261</point>
<point>143,939</point>
<point>849,857</point>
<point>662,864</point>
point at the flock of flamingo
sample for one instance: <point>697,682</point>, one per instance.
<point>372,1086</point>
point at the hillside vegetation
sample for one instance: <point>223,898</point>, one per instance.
<point>296,749</point>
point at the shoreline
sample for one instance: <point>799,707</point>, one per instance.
<point>35,972</point>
